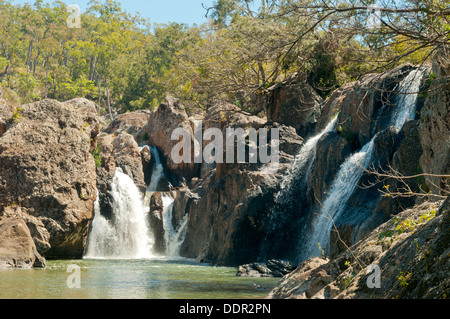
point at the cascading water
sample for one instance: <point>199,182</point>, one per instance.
<point>174,236</point>
<point>343,187</point>
<point>351,171</point>
<point>126,236</point>
<point>407,100</point>
<point>285,221</point>
<point>302,163</point>
<point>157,175</point>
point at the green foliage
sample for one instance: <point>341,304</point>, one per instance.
<point>404,279</point>
<point>119,60</point>
<point>16,116</point>
<point>98,157</point>
<point>409,225</point>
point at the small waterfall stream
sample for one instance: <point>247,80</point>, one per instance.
<point>286,219</point>
<point>174,236</point>
<point>351,171</point>
<point>302,163</point>
<point>157,175</point>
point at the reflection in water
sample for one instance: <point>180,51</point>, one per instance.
<point>134,279</point>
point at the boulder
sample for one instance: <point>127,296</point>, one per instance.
<point>295,104</point>
<point>161,124</point>
<point>308,279</point>
<point>46,167</point>
<point>273,268</point>
<point>17,248</point>
<point>131,123</point>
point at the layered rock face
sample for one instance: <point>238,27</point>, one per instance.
<point>434,130</point>
<point>158,131</point>
<point>296,104</point>
<point>422,241</point>
<point>227,208</point>
<point>47,174</point>
<point>18,249</point>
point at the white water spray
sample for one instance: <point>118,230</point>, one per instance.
<point>303,162</point>
<point>157,175</point>
<point>126,236</point>
<point>407,99</point>
<point>174,236</point>
<point>353,168</point>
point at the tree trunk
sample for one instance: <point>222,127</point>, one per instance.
<point>99,95</point>
<point>108,102</point>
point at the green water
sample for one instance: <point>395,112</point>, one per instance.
<point>139,279</point>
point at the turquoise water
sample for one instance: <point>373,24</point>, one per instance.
<point>132,279</point>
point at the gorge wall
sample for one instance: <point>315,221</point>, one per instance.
<point>55,161</point>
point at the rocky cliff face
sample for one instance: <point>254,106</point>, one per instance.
<point>410,253</point>
<point>49,177</point>
<point>233,217</point>
<point>228,203</point>
<point>47,174</point>
<point>158,131</point>
<point>434,130</point>
<point>296,104</point>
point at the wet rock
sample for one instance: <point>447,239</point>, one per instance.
<point>157,224</point>
<point>273,268</point>
<point>117,151</point>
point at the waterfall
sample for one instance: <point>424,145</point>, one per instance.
<point>302,164</point>
<point>285,222</point>
<point>351,170</point>
<point>157,175</point>
<point>407,99</point>
<point>343,187</point>
<point>158,171</point>
<point>126,235</point>
<point>174,236</point>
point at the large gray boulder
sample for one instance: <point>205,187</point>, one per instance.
<point>46,169</point>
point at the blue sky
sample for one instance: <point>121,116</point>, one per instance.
<point>159,11</point>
